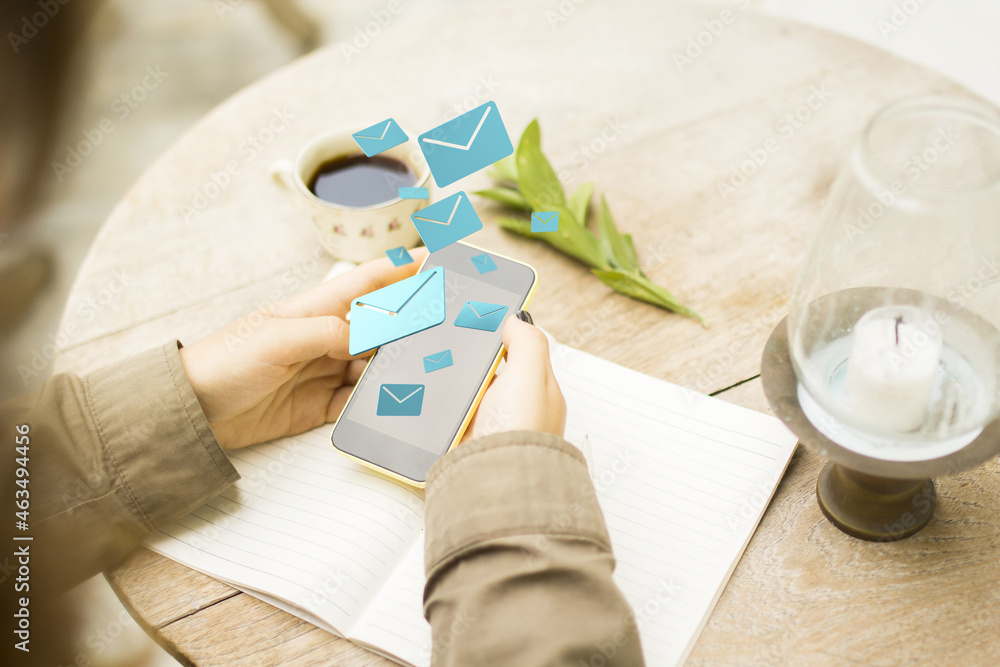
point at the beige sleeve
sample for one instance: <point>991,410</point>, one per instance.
<point>518,559</point>
<point>113,455</point>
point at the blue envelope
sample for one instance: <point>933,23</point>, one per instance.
<point>400,400</point>
<point>447,221</point>
<point>380,137</point>
<point>399,310</point>
<point>399,256</point>
<point>465,144</point>
<point>437,361</point>
<point>480,315</point>
<point>413,193</point>
<point>546,221</point>
<point>483,263</point>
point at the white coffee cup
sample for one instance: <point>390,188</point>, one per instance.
<point>354,233</point>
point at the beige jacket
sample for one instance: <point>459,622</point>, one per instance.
<point>518,559</point>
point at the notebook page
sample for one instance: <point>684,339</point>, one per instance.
<point>304,524</point>
<point>683,480</point>
<point>394,623</point>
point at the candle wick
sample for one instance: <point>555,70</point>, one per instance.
<point>899,320</point>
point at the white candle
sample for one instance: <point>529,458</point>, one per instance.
<point>892,368</point>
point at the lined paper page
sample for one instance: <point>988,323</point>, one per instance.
<point>683,480</point>
<point>394,623</point>
<point>304,524</point>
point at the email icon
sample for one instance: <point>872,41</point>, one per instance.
<point>447,221</point>
<point>413,193</point>
<point>435,362</point>
<point>399,310</point>
<point>399,256</point>
<point>380,137</point>
<point>483,263</point>
<point>546,221</point>
<point>400,400</point>
<point>465,144</point>
<point>482,316</point>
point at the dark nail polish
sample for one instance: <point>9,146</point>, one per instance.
<point>524,316</point>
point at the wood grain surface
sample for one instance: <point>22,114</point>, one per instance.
<point>658,139</point>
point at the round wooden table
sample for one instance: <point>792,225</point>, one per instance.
<point>715,134</point>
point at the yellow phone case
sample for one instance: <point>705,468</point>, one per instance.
<point>475,403</point>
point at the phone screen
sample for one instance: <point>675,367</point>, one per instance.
<point>448,390</point>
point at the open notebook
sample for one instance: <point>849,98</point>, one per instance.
<point>683,480</point>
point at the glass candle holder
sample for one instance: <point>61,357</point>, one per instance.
<point>892,331</point>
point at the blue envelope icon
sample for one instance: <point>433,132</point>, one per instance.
<point>447,221</point>
<point>399,256</point>
<point>435,362</point>
<point>380,137</point>
<point>413,193</point>
<point>400,400</point>
<point>399,310</point>
<point>465,144</point>
<point>483,263</point>
<point>482,316</point>
<point>546,221</point>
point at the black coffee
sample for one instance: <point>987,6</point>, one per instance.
<point>356,180</point>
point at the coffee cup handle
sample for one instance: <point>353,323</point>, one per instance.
<point>281,173</point>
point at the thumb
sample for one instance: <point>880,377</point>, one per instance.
<point>527,349</point>
<point>286,341</point>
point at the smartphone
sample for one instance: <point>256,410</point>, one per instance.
<point>411,406</point>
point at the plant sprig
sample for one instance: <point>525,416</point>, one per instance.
<point>527,182</point>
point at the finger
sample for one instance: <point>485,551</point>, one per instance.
<point>283,342</point>
<point>325,367</point>
<point>334,296</point>
<point>354,370</point>
<point>527,349</point>
<point>337,403</point>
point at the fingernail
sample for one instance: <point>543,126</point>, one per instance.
<point>524,316</point>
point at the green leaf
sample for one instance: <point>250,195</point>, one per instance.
<point>572,238</point>
<point>611,240</point>
<point>630,249</point>
<point>642,289</point>
<point>505,169</point>
<point>579,202</point>
<point>508,196</point>
<point>516,225</point>
<point>538,181</point>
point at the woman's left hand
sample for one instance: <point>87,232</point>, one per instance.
<point>291,372</point>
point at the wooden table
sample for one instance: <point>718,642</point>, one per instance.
<point>659,135</point>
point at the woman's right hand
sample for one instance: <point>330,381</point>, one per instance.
<point>526,396</point>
